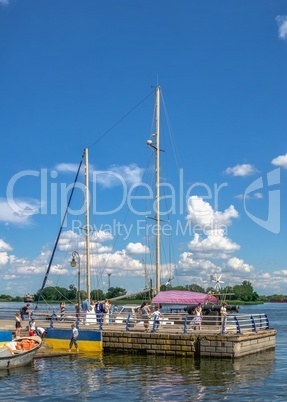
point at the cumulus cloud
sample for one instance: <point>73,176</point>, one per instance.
<point>280,161</point>
<point>189,265</point>
<point>282,24</point>
<point>70,241</point>
<point>4,249</point>
<point>119,263</point>
<point>237,264</point>
<point>18,212</point>
<point>241,170</point>
<point>215,246</point>
<point>4,246</point>
<point>281,272</point>
<point>137,248</point>
<point>119,175</point>
<point>4,258</point>
<point>115,175</point>
<point>201,213</point>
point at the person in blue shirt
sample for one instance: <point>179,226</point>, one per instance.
<point>73,341</point>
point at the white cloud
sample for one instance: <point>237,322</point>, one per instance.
<point>137,248</point>
<point>18,212</point>
<point>115,175</point>
<point>282,24</point>
<point>248,197</point>
<point>126,175</point>
<point>192,266</point>
<point>201,213</point>
<point>213,246</point>
<point>281,272</point>
<point>4,2</point>
<point>4,258</point>
<point>119,263</point>
<point>237,264</point>
<point>4,246</point>
<point>280,161</point>
<point>241,170</point>
<point>70,241</point>
<point>67,167</point>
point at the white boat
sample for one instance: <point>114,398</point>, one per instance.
<point>19,352</point>
<point>28,298</point>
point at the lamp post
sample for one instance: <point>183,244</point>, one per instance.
<point>77,260</point>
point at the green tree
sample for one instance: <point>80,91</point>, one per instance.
<point>195,288</point>
<point>5,297</point>
<point>115,292</point>
<point>73,292</point>
<point>97,295</point>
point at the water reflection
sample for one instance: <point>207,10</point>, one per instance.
<point>16,371</point>
<point>124,377</point>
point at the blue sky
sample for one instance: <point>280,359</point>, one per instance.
<point>82,74</point>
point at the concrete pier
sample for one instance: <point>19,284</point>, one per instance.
<point>172,341</point>
<point>190,345</point>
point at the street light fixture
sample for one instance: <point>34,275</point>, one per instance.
<point>77,260</point>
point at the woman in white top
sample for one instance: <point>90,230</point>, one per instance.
<point>196,321</point>
<point>107,306</point>
<point>92,306</point>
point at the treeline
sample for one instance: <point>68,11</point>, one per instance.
<point>243,292</point>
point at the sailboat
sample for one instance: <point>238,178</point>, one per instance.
<point>90,339</point>
<point>58,338</point>
<point>173,297</point>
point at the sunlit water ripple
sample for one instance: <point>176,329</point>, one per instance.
<point>115,377</point>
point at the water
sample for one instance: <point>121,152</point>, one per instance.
<point>114,377</point>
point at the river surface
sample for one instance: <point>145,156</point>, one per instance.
<point>117,377</point>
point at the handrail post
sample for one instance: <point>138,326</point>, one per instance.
<point>52,319</point>
<point>267,321</point>
<point>253,324</point>
<point>127,323</point>
<point>237,325</point>
<point>78,321</point>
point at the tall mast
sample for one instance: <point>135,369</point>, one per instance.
<point>87,204</point>
<point>157,190</point>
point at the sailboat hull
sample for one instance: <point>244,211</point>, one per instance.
<point>88,340</point>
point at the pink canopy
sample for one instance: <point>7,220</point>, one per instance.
<point>183,297</point>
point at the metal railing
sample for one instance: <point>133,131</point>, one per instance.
<point>168,322</point>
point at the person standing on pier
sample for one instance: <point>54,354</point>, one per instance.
<point>32,327</point>
<point>62,310</point>
<point>156,316</point>
<point>145,311</point>
<point>73,341</point>
<point>196,321</point>
<point>99,308</point>
<point>17,325</point>
<point>25,311</point>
